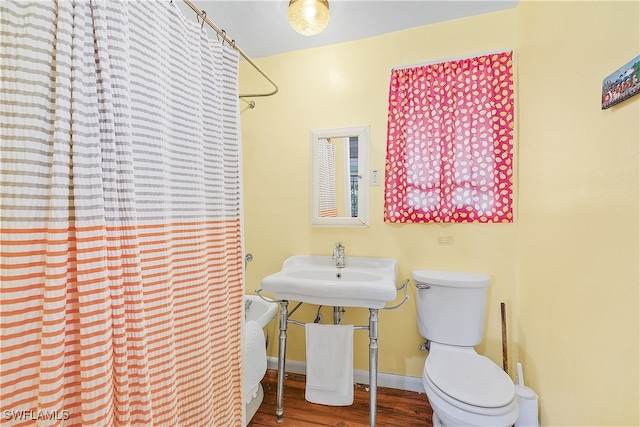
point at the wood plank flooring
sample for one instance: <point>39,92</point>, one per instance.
<point>395,407</point>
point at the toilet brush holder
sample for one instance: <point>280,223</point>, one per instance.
<point>527,403</point>
<point>527,407</point>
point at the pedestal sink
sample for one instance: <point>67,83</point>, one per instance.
<point>363,282</point>
<point>315,279</point>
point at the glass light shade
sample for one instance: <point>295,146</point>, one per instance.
<point>308,17</point>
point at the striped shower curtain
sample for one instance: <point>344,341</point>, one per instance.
<point>327,198</point>
<point>121,296</point>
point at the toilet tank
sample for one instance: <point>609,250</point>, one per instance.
<point>451,306</point>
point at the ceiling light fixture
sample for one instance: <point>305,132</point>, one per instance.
<point>308,17</point>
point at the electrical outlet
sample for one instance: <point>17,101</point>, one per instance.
<point>375,177</point>
<point>445,240</point>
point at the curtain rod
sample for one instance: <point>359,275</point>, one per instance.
<point>203,15</point>
<point>455,58</point>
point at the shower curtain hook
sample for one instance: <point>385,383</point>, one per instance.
<point>204,16</point>
<point>224,36</point>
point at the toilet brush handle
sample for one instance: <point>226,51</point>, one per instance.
<point>520,376</point>
<point>503,316</point>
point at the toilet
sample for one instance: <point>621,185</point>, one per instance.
<point>463,387</point>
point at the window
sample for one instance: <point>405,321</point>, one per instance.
<point>450,142</point>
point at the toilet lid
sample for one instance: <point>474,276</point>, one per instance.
<point>470,378</point>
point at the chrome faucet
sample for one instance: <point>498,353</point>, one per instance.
<point>338,255</point>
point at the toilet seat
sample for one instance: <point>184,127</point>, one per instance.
<point>468,379</point>
<point>456,413</point>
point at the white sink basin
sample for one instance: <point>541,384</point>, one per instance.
<point>314,279</point>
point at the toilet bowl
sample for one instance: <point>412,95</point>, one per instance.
<point>463,387</point>
<point>467,389</point>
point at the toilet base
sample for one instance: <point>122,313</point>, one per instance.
<point>435,420</point>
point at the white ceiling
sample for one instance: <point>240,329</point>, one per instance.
<point>260,28</point>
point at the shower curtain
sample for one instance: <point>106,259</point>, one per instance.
<point>120,212</point>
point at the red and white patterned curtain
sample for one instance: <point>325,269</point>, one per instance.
<point>120,229</point>
<point>450,142</point>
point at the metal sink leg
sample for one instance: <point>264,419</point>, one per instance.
<point>282,352</point>
<point>373,365</point>
<point>373,360</point>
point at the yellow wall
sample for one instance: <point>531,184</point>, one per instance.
<point>347,85</point>
<point>567,268</point>
<point>577,283</point>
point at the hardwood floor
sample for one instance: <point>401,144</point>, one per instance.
<point>395,407</point>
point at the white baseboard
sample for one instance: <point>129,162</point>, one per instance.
<point>399,382</point>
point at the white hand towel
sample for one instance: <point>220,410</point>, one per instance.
<point>255,359</point>
<point>329,364</point>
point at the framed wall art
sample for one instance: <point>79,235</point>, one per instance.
<point>621,84</point>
